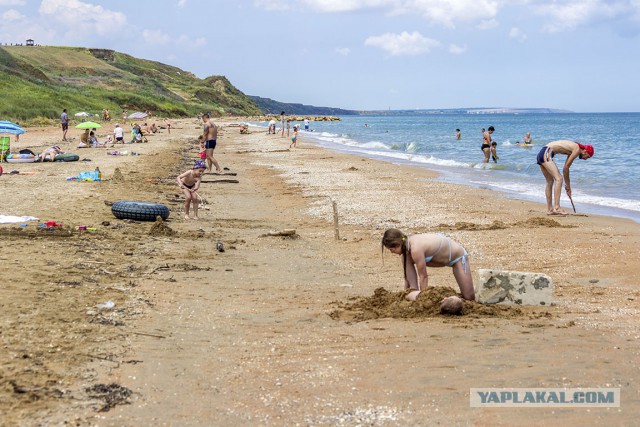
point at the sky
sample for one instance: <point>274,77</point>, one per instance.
<point>582,56</point>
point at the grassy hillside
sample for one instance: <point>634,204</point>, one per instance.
<point>37,82</point>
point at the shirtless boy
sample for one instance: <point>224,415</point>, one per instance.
<point>551,173</point>
<point>210,136</point>
<point>189,183</point>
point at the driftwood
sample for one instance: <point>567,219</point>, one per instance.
<point>290,232</point>
<point>221,181</point>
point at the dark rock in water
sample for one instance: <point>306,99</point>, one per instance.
<point>451,305</point>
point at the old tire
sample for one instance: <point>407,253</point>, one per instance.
<point>140,211</point>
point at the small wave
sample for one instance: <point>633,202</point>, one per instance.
<point>536,190</point>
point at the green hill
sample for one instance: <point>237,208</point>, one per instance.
<point>37,82</point>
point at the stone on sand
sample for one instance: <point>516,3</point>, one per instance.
<point>514,287</point>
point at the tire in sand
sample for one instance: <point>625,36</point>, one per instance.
<point>139,211</point>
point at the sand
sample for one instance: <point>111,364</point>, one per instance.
<point>278,330</point>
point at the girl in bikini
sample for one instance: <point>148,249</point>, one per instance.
<point>189,183</point>
<point>434,250</point>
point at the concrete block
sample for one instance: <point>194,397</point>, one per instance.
<point>514,287</point>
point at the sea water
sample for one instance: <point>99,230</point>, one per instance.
<point>605,184</point>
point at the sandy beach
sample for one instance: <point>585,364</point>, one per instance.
<point>285,331</point>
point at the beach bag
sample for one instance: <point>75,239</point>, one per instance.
<point>27,151</point>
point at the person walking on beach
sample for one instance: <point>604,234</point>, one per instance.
<point>294,138</point>
<point>288,127</point>
<point>64,121</point>
<point>124,117</point>
<point>549,169</point>
<point>282,124</point>
<point>210,136</point>
<point>434,250</point>
<point>189,183</point>
<point>486,143</point>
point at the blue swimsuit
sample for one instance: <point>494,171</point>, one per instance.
<point>543,155</point>
<point>462,258</point>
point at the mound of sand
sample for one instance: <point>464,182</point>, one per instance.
<point>159,228</point>
<point>392,304</point>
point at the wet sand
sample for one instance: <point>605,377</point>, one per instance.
<point>279,330</point>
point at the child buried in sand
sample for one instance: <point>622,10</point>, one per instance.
<point>189,182</point>
<point>434,250</point>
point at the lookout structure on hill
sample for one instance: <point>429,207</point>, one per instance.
<point>30,42</point>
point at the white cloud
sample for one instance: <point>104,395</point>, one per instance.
<point>12,15</point>
<point>331,6</point>
<point>81,18</point>
<point>271,5</point>
<point>182,3</point>
<point>457,50</point>
<point>402,44</point>
<point>573,14</point>
<point>13,2</point>
<point>344,51</point>
<point>156,37</point>
<point>516,33</point>
<point>442,12</point>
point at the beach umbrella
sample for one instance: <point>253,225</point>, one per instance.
<point>83,114</point>
<point>88,125</point>
<point>137,115</point>
<point>10,128</point>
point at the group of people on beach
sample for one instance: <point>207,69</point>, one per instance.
<point>286,126</point>
<point>190,180</point>
<point>437,250</point>
<point>138,131</point>
<point>544,159</point>
<point>420,251</point>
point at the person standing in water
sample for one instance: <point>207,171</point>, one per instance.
<point>549,169</point>
<point>486,143</point>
